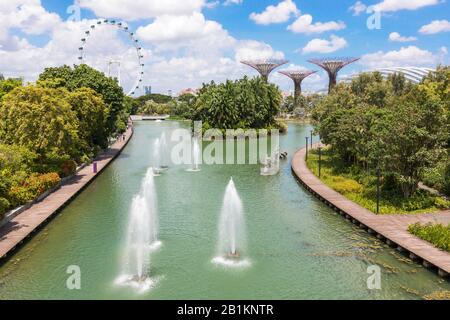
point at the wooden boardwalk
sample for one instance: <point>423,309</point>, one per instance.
<point>16,231</point>
<point>392,228</point>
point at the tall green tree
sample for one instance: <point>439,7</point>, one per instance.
<point>92,115</point>
<point>83,76</point>
<point>41,120</point>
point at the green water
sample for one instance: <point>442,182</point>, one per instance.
<point>298,248</point>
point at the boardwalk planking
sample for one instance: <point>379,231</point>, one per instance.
<point>391,227</point>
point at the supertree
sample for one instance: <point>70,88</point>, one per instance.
<point>332,66</point>
<point>264,67</point>
<point>297,76</point>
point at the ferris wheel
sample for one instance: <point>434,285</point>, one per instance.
<point>123,27</point>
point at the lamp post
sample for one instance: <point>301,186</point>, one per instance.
<point>320,162</point>
<point>307,138</point>
<point>312,139</point>
<point>378,188</point>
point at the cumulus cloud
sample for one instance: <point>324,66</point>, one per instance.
<point>325,46</point>
<point>276,14</point>
<point>232,2</point>
<point>406,56</point>
<point>169,32</point>
<point>396,37</point>
<point>251,49</point>
<point>141,9</point>
<point>396,5</point>
<point>304,25</point>
<point>358,8</point>
<point>180,51</point>
<point>436,26</point>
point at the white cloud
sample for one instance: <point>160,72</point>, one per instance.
<point>358,8</point>
<point>26,15</point>
<point>304,25</point>
<point>194,31</point>
<point>406,56</point>
<point>396,37</point>
<point>396,5</point>
<point>325,46</point>
<point>276,14</point>
<point>232,2</point>
<point>436,26</point>
<point>251,49</point>
<point>141,9</point>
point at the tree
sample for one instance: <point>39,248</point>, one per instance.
<point>41,120</point>
<point>8,85</point>
<point>245,103</point>
<point>83,76</point>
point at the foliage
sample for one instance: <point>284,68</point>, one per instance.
<point>84,76</point>
<point>92,115</point>
<point>41,120</point>
<point>68,168</point>
<point>4,206</point>
<point>437,234</point>
<point>400,127</point>
<point>33,187</point>
<point>152,108</point>
<point>155,97</point>
<point>360,186</point>
<point>245,103</point>
<point>8,85</point>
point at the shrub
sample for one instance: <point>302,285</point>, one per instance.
<point>68,168</point>
<point>442,203</point>
<point>446,179</point>
<point>437,234</point>
<point>344,186</point>
<point>33,187</point>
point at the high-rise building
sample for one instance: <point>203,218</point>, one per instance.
<point>148,89</point>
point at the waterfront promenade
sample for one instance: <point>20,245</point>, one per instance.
<point>391,228</point>
<point>16,231</point>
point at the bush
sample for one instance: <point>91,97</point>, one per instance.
<point>4,206</point>
<point>33,187</point>
<point>437,234</point>
<point>344,186</point>
<point>446,186</point>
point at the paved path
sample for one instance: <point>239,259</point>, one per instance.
<point>21,227</point>
<point>394,228</point>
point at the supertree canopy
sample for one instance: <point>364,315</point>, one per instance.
<point>332,66</point>
<point>265,66</point>
<point>297,76</point>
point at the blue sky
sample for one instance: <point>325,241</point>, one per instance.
<point>188,42</point>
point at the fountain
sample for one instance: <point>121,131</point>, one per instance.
<point>195,156</point>
<point>271,165</point>
<point>231,245</point>
<point>157,169</point>
<point>142,237</point>
<point>163,151</point>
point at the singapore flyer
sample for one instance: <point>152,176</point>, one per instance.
<point>123,61</point>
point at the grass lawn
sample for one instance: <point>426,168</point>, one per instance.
<point>360,187</point>
<point>437,234</point>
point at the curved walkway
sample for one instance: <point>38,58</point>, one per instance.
<point>16,231</point>
<point>392,228</point>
